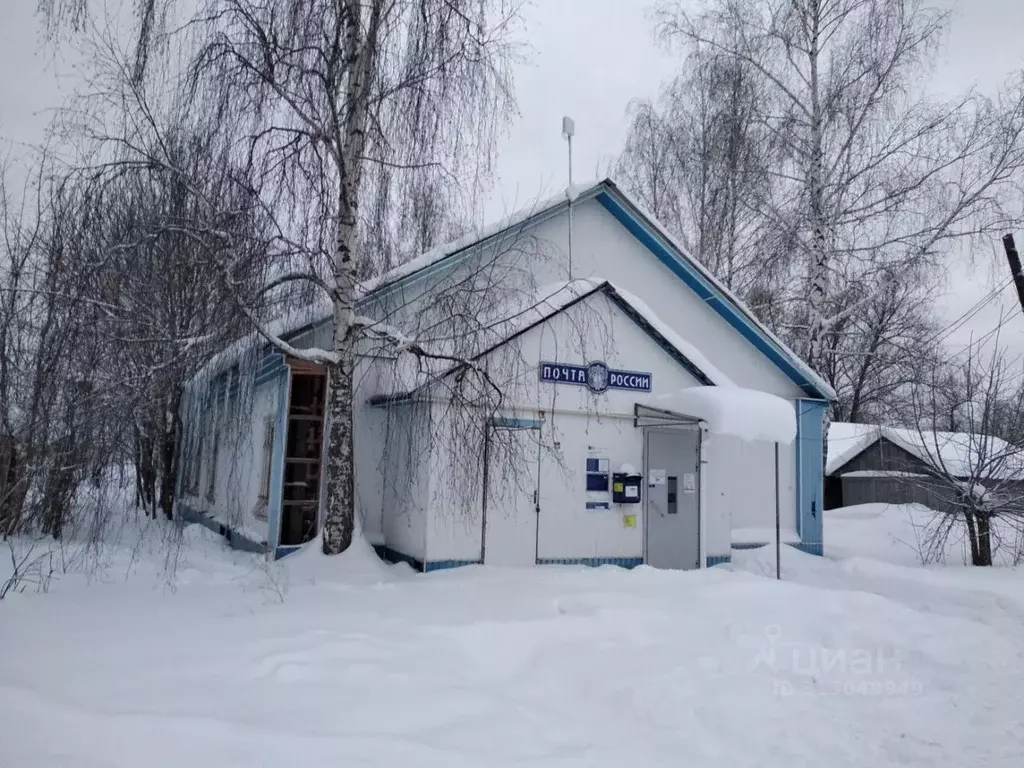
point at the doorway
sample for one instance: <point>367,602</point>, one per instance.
<point>303,454</point>
<point>672,458</point>
<point>511,504</point>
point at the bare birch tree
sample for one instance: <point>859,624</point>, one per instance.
<point>975,477</point>
<point>321,96</point>
<point>872,170</point>
<point>698,160</point>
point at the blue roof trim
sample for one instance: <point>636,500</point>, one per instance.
<point>709,293</point>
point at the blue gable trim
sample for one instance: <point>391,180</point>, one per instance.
<point>710,294</point>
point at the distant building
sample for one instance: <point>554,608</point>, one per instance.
<point>869,463</point>
<point>619,366</point>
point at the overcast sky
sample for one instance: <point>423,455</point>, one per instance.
<point>587,59</point>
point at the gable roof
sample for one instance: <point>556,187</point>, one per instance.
<point>645,228</point>
<point>553,300</point>
<point>642,225</point>
<point>960,454</point>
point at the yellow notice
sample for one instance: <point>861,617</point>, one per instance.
<point>617,487</point>
<point>629,521</point>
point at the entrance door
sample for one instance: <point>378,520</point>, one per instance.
<point>673,493</point>
<point>510,497</point>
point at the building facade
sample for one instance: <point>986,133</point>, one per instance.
<point>522,400</point>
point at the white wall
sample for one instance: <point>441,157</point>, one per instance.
<point>241,460</point>
<point>239,467</point>
<point>406,481</point>
<point>739,477</point>
<point>567,528</point>
<point>370,436</point>
<point>454,522</point>
<point>744,481</point>
<point>602,247</point>
<point>573,419</point>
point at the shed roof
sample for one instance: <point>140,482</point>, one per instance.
<point>960,454</point>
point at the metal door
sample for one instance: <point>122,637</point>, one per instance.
<point>511,504</point>
<point>672,463</point>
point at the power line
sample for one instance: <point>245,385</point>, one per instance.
<point>949,330</point>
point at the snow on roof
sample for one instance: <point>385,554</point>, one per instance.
<point>846,440</point>
<point>960,454</point>
<point>284,325</point>
<point>441,252</point>
<point>744,413</point>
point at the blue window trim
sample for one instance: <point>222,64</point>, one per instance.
<point>514,423</point>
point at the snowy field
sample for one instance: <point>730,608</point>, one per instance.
<point>859,659</point>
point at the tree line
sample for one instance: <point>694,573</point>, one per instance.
<point>236,158</point>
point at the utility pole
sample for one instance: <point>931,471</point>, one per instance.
<point>1014,258</point>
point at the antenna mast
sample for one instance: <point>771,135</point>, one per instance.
<point>568,131</point>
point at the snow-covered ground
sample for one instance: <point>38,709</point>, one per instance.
<point>350,662</point>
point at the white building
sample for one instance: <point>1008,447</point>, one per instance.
<point>604,402</point>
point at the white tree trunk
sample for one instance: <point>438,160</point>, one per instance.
<point>817,278</point>
<point>339,520</point>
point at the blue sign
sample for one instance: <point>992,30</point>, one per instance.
<point>597,377</point>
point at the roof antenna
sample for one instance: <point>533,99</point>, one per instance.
<point>568,131</point>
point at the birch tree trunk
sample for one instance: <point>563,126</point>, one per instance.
<point>339,520</point>
<point>819,266</point>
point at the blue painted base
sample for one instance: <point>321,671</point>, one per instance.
<point>810,547</point>
<point>593,562</point>
<point>714,560</point>
<point>444,565</point>
<point>394,556</point>
<point>234,539</point>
